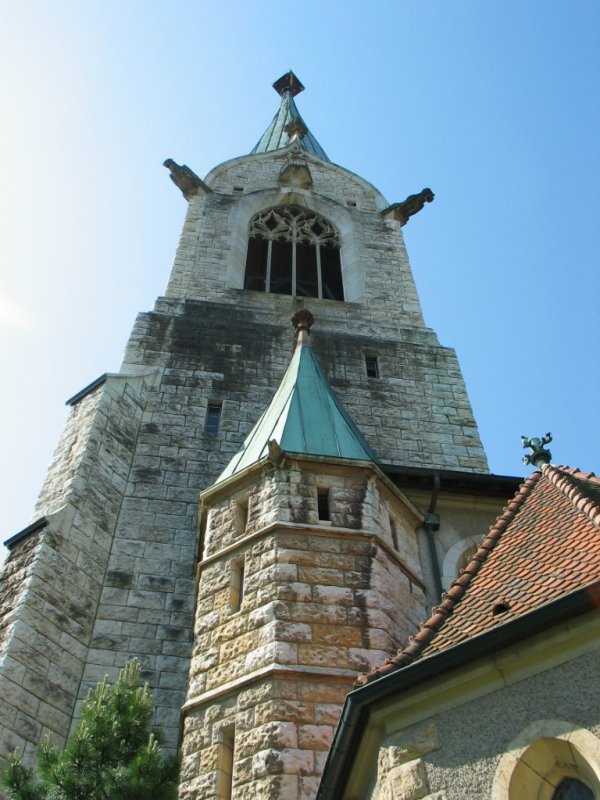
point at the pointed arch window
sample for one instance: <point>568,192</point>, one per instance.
<point>294,251</point>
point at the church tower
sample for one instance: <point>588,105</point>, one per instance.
<point>305,564</point>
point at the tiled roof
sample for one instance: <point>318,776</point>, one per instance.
<point>545,545</point>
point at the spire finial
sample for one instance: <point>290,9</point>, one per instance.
<point>288,81</point>
<point>538,455</point>
<point>302,321</point>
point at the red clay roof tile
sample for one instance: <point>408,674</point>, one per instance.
<point>544,545</point>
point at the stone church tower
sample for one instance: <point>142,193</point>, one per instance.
<point>317,547</point>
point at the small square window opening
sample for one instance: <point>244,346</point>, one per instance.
<point>323,505</point>
<point>213,418</point>
<point>372,366</point>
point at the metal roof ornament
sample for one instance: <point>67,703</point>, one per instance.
<point>290,82</point>
<point>302,321</point>
<point>538,455</point>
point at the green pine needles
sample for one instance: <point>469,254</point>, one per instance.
<point>113,754</point>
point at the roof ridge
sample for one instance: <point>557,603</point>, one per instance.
<point>441,612</point>
<point>562,479</point>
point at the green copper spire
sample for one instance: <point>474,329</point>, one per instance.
<point>287,124</point>
<point>304,415</point>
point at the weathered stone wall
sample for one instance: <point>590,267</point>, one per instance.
<point>283,726</point>
<point>455,754</point>
<point>416,413</point>
<point>322,602</point>
<point>53,579</point>
<point>212,249</point>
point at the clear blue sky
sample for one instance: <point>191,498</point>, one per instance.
<point>492,105</point>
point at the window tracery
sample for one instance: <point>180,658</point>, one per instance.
<point>295,251</point>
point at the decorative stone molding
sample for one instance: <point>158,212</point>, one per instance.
<point>542,755</point>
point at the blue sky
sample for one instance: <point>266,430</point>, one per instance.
<point>492,105</point>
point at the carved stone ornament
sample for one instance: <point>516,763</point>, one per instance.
<point>295,174</point>
<point>185,179</point>
<point>296,129</point>
<point>409,207</point>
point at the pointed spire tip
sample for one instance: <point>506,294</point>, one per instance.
<point>288,81</point>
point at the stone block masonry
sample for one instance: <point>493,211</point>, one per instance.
<point>289,610</point>
<point>112,573</point>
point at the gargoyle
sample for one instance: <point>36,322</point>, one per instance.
<point>409,207</point>
<point>186,180</point>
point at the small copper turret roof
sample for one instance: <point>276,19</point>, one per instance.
<point>287,124</point>
<point>304,415</point>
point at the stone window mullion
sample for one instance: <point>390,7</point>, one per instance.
<point>268,276</point>
<point>293,263</point>
<point>319,278</point>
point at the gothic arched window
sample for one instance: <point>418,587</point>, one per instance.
<point>294,251</point>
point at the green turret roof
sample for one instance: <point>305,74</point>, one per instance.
<point>279,133</point>
<point>303,417</point>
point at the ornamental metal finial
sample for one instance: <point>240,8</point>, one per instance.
<point>302,321</point>
<point>290,82</point>
<point>538,454</point>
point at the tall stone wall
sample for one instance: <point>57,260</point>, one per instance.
<point>54,576</point>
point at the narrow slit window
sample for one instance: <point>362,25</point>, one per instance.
<point>225,763</point>
<point>213,418</point>
<point>394,532</point>
<point>242,512</point>
<point>372,366</point>
<point>323,505</point>
<point>238,575</point>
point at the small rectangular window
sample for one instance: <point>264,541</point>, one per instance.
<point>372,366</point>
<point>213,418</point>
<point>323,505</point>
<point>238,574</point>
<point>394,533</point>
<point>225,763</point>
<point>243,511</point>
